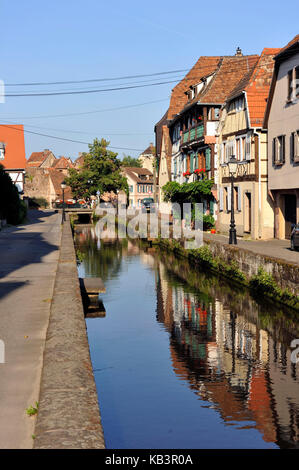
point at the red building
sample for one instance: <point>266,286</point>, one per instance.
<point>12,152</point>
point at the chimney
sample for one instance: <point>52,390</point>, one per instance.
<point>238,52</point>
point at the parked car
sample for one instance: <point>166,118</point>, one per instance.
<point>146,204</point>
<point>295,237</point>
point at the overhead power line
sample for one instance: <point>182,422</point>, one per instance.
<point>69,140</point>
<point>125,77</point>
<point>80,92</point>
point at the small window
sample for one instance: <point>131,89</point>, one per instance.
<point>216,113</point>
<point>278,151</point>
<point>1,154</point>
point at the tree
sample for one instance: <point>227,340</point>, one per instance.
<point>101,171</point>
<point>130,161</point>
<point>12,208</point>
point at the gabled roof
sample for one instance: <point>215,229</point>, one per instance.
<point>150,150</point>
<point>258,88</point>
<point>293,44</point>
<point>62,164</point>
<point>229,73</point>
<point>37,158</point>
<point>203,67</point>
<point>136,173</point>
<point>12,136</point>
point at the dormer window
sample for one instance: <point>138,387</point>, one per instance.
<point>2,150</point>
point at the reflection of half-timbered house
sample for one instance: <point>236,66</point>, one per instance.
<point>12,153</point>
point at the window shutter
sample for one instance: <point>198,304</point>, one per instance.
<point>208,159</point>
<point>248,147</point>
<point>212,207</point>
<point>229,198</point>
<point>221,199</point>
<point>239,198</point>
<point>274,151</point>
<point>292,147</point>
<point>283,149</point>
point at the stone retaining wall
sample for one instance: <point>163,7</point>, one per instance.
<point>68,415</point>
<point>285,274</point>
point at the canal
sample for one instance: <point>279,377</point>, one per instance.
<point>181,359</point>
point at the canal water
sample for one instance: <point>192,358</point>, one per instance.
<point>183,360</point>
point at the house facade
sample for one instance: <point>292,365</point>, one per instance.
<point>44,175</point>
<point>12,153</point>
<point>193,130</point>
<point>141,185</point>
<point>282,122</point>
<point>241,134</point>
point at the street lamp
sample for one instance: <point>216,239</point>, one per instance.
<point>232,169</point>
<point>63,186</point>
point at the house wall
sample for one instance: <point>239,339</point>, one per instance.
<point>255,216</point>
<point>37,184</point>
<point>283,120</point>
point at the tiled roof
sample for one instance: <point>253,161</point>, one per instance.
<point>256,84</point>
<point>294,41</point>
<point>258,89</point>
<point>62,163</point>
<point>203,67</point>
<point>135,174</point>
<point>231,70</point>
<point>150,150</point>
<point>37,158</point>
<point>13,138</point>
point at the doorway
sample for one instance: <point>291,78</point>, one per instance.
<point>247,224</point>
<point>290,202</point>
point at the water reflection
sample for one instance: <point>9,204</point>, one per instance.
<point>229,360</point>
<point>233,353</point>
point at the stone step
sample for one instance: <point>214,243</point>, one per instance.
<point>92,285</point>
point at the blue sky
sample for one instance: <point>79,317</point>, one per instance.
<point>74,40</point>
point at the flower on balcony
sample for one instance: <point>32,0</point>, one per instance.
<point>199,170</point>
<point>187,173</point>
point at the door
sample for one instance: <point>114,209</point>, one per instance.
<point>289,213</point>
<point>247,225</point>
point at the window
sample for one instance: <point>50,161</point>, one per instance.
<point>131,188</point>
<point>278,150</point>
<point>237,200</point>
<point>238,149</point>
<point>294,147</point>
<point>229,150</point>
<point>216,113</point>
<point>1,154</point>
<point>248,147</point>
<point>293,83</point>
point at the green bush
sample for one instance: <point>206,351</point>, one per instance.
<point>12,208</point>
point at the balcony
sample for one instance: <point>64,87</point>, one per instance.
<point>194,133</point>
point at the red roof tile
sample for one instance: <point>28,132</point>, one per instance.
<point>13,138</point>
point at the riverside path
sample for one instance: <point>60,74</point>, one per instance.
<point>28,262</point>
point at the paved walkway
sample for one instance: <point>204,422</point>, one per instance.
<point>273,248</point>
<point>28,263</point>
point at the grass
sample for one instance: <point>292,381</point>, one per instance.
<point>32,410</point>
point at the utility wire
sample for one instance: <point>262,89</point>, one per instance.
<point>96,79</point>
<point>70,140</point>
<point>86,91</point>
